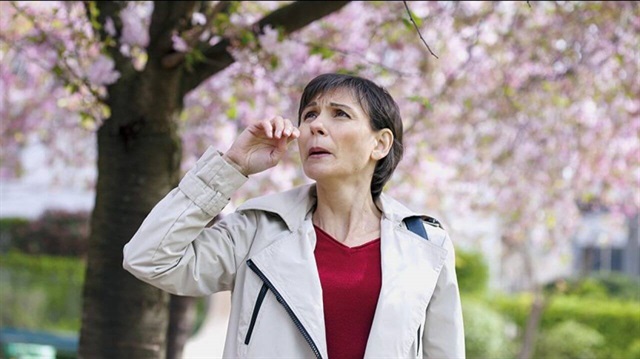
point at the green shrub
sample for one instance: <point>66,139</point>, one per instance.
<point>584,288</point>
<point>45,292</point>
<point>472,271</point>
<point>600,285</point>
<point>617,321</point>
<point>569,340</point>
<point>486,331</point>
<point>11,228</point>
<point>634,350</point>
<point>619,285</point>
<point>55,232</point>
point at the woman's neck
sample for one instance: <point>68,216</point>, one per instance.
<point>347,213</point>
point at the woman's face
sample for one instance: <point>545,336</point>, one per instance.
<point>336,139</point>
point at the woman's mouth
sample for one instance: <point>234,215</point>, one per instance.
<point>317,152</point>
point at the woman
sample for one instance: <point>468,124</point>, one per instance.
<point>326,270</point>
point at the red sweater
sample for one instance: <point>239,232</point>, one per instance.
<point>351,280</point>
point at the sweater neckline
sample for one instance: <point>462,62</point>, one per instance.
<point>344,246</point>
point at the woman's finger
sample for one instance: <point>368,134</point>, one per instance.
<point>267,127</point>
<point>295,133</point>
<point>288,128</point>
<point>278,123</point>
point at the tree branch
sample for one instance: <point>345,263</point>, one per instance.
<point>167,17</point>
<point>418,30</point>
<point>69,74</point>
<point>106,9</point>
<point>111,10</point>
<point>362,57</point>
<point>192,36</point>
<point>299,14</point>
<point>288,19</point>
<point>453,76</point>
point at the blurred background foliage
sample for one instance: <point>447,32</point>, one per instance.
<point>533,104</point>
<point>597,316</point>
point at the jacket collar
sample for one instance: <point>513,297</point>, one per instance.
<point>294,205</point>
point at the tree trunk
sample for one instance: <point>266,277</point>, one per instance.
<point>138,163</point>
<point>182,318</point>
<point>532,327</point>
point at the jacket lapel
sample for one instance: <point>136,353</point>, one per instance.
<point>410,268</point>
<point>290,265</point>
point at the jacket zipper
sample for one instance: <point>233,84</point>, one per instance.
<point>256,309</point>
<point>286,306</point>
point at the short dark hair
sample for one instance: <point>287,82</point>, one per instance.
<point>377,103</point>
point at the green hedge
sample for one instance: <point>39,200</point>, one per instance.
<point>55,232</point>
<point>616,320</point>
<point>41,292</point>
<point>600,285</point>
<point>45,293</point>
<point>569,340</point>
<point>472,272</point>
<point>486,332</point>
<point>11,228</point>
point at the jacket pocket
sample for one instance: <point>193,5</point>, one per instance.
<point>256,309</point>
<point>418,342</point>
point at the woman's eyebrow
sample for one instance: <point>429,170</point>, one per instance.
<point>334,104</point>
<point>311,104</point>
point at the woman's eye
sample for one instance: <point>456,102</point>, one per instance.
<point>341,113</point>
<point>308,115</point>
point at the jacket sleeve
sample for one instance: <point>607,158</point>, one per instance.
<point>443,334</point>
<point>172,249</point>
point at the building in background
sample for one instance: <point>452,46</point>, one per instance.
<point>606,242</point>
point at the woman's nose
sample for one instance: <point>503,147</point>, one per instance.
<point>317,127</point>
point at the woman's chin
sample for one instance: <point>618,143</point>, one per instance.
<point>318,173</point>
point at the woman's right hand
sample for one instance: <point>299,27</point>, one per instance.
<point>261,145</point>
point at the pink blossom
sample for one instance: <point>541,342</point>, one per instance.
<point>179,44</point>
<point>102,71</point>
<point>198,18</point>
<point>135,23</point>
<point>269,39</point>
<point>490,126</point>
<point>109,27</point>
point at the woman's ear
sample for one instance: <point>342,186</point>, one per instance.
<point>384,141</point>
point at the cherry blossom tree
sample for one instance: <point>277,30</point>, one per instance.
<point>129,65</point>
<point>528,110</point>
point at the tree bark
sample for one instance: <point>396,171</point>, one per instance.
<point>139,155</point>
<point>532,327</point>
<point>182,318</point>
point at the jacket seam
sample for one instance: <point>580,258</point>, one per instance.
<point>169,230</point>
<point>204,194</point>
<point>207,193</point>
<point>238,263</point>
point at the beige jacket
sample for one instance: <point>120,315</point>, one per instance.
<point>264,254</point>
